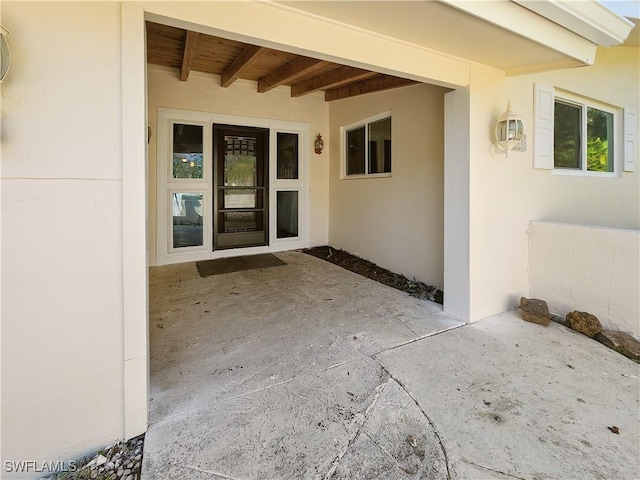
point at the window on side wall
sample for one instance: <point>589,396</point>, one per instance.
<point>584,138</point>
<point>366,150</point>
<point>576,135</point>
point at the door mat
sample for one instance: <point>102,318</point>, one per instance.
<point>219,266</point>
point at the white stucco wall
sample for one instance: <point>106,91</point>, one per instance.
<point>611,202</point>
<point>592,269</point>
<point>203,93</point>
<point>507,193</point>
<point>62,270</point>
<point>396,222</point>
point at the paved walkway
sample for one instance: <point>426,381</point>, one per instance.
<point>309,371</point>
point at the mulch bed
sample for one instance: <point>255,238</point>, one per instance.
<point>370,270</point>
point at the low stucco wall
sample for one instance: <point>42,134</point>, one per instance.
<point>592,269</point>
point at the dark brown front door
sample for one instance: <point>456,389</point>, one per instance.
<point>241,199</point>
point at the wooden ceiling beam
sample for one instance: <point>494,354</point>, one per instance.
<point>190,42</point>
<point>374,84</point>
<point>241,63</point>
<point>287,73</point>
<point>332,79</point>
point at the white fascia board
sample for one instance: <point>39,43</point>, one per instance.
<point>508,15</point>
<point>589,19</point>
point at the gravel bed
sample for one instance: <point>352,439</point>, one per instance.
<point>121,461</point>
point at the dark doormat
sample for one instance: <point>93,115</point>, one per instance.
<point>219,266</point>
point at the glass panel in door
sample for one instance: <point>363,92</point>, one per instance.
<point>241,173</point>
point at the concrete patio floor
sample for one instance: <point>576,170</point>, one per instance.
<point>309,371</point>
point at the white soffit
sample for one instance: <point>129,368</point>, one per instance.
<point>589,19</point>
<point>498,33</point>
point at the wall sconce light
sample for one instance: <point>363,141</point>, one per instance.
<point>318,144</point>
<point>509,133</point>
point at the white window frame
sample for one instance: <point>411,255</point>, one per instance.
<point>343,147</point>
<point>624,136</point>
<point>291,184</point>
<point>166,185</point>
<point>584,103</point>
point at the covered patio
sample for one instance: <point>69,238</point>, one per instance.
<point>306,370</point>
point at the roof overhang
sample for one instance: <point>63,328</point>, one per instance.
<point>429,41</point>
<point>572,28</point>
<point>590,20</point>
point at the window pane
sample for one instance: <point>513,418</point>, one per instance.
<point>240,198</point>
<point>187,151</point>
<point>240,165</point>
<point>287,157</point>
<point>187,211</point>
<point>355,151</point>
<point>599,140</point>
<point>566,130</point>
<point>380,146</point>
<point>231,222</point>
<point>287,214</point>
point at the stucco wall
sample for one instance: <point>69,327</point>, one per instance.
<point>507,193</point>
<point>611,202</point>
<point>62,294</point>
<point>590,269</point>
<point>202,92</point>
<point>396,222</point>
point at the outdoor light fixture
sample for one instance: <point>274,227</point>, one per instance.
<point>318,144</point>
<point>509,133</point>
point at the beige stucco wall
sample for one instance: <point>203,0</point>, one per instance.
<point>612,202</point>
<point>590,269</point>
<point>62,285</point>
<point>507,193</point>
<point>396,222</point>
<point>203,93</point>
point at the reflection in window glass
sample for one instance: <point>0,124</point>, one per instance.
<point>187,209</point>
<point>187,151</point>
<point>599,140</point>
<point>231,222</point>
<point>380,146</point>
<point>240,198</point>
<point>566,137</point>
<point>355,151</point>
<point>287,157</point>
<point>287,208</point>
<point>240,163</point>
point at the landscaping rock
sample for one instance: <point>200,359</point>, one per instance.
<point>121,461</point>
<point>621,342</point>
<point>584,323</point>
<point>535,310</point>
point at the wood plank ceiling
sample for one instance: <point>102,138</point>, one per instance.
<point>186,51</point>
